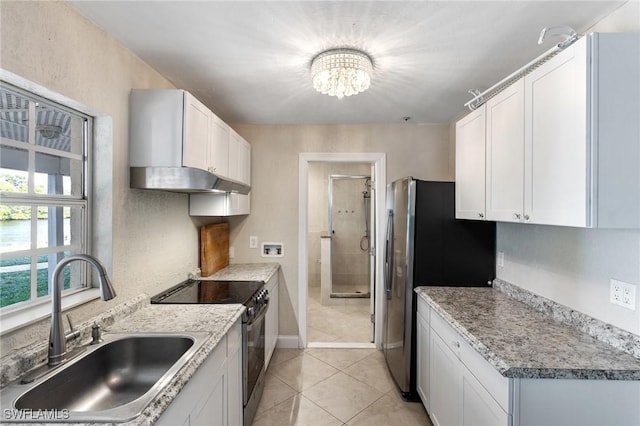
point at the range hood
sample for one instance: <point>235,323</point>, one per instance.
<point>183,179</point>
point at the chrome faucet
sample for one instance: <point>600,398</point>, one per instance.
<point>57,339</point>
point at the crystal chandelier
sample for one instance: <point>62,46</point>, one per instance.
<point>341,72</point>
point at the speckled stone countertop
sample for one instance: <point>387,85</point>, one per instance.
<point>521,342</point>
<point>245,272</point>
<point>141,317</point>
<point>214,319</point>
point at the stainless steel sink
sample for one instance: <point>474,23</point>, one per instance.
<point>113,381</point>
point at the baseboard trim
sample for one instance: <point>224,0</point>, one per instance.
<point>341,345</point>
<point>288,342</point>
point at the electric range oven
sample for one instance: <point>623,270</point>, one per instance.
<point>255,298</point>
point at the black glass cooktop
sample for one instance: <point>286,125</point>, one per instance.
<point>195,291</point>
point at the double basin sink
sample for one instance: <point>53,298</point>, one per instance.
<point>110,382</point>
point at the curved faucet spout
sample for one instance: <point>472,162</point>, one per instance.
<point>57,340</point>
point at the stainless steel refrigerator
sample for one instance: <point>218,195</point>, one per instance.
<point>426,246</point>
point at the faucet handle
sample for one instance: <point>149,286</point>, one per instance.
<point>73,333</point>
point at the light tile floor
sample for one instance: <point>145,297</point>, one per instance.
<point>333,387</point>
<point>345,320</point>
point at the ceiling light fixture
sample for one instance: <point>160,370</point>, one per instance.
<point>341,72</point>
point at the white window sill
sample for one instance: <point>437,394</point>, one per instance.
<point>15,319</point>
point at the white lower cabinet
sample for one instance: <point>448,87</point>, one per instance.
<point>464,389</point>
<point>213,395</point>
<point>477,407</point>
<point>271,319</point>
<point>444,383</point>
<point>423,344</point>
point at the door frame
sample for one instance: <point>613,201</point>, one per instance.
<point>379,162</point>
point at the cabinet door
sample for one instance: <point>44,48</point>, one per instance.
<point>444,382</point>
<point>271,320</point>
<point>219,147</point>
<point>238,204</point>
<point>239,158</point>
<point>470,166</point>
<point>244,162</point>
<point>505,155</point>
<point>477,407</point>
<point>423,360</point>
<point>212,409</point>
<point>556,145</point>
<point>197,119</point>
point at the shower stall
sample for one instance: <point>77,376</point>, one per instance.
<point>349,242</point>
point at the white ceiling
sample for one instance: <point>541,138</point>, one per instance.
<point>249,61</point>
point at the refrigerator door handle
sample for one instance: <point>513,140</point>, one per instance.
<point>388,256</point>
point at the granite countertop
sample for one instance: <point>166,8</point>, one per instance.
<point>521,342</point>
<point>138,316</point>
<point>245,272</point>
<point>214,319</point>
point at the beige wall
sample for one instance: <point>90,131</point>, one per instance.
<point>573,266</point>
<point>412,150</point>
<point>154,240</point>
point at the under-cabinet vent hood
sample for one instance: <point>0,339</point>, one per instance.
<point>168,151</point>
<point>183,179</point>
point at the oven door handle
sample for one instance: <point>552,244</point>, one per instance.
<point>258,318</point>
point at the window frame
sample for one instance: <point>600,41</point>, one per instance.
<point>35,308</point>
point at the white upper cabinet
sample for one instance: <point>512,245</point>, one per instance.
<point>556,141</point>
<point>239,158</point>
<point>219,147</point>
<point>470,166</point>
<point>561,143</point>
<point>197,128</point>
<point>505,155</point>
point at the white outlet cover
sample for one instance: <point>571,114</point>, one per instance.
<point>232,252</point>
<point>623,294</point>
<point>253,241</point>
<point>501,259</point>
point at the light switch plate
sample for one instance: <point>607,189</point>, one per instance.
<point>253,241</point>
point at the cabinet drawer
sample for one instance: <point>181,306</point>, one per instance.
<point>495,383</point>
<point>449,336</point>
<point>234,336</point>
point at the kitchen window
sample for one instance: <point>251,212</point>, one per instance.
<point>44,196</point>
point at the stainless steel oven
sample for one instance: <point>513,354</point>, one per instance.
<point>255,298</point>
<point>253,356</point>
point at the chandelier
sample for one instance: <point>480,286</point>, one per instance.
<point>341,72</point>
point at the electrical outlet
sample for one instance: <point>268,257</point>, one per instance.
<point>232,252</point>
<point>253,241</point>
<point>629,296</point>
<point>501,259</point>
<point>623,294</point>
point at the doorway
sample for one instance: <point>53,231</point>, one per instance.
<point>339,249</point>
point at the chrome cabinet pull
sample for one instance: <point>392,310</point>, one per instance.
<point>516,216</point>
<point>526,217</point>
<point>481,215</point>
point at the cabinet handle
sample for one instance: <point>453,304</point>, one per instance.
<point>481,215</point>
<point>526,217</point>
<point>456,344</point>
<point>516,216</point>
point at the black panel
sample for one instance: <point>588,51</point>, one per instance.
<point>448,251</point>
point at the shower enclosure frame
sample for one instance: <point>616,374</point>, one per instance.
<point>371,217</point>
